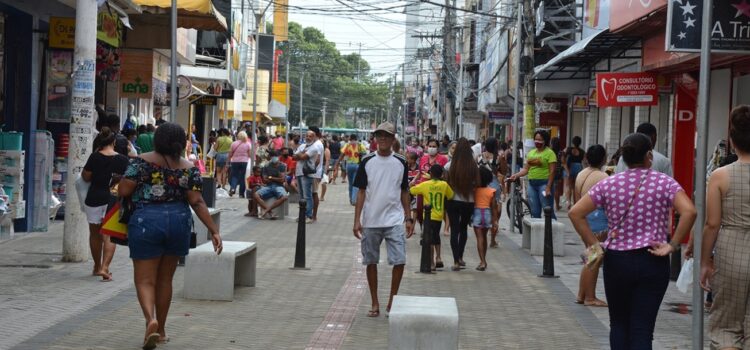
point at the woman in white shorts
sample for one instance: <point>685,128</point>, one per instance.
<point>102,170</point>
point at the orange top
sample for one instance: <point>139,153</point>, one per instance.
<point>483,197</point>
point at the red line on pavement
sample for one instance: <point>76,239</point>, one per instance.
<point>337,322</point>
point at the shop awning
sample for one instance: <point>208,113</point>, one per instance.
<point>581,59</point>
<point>193,14</point>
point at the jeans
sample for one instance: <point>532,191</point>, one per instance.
<point>635,282</point>
<point>237,176</point>
<point>305,188</point>
<point>537,201</point>
<point>459,214</point>
<point>351,172</point>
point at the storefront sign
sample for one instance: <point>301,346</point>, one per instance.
<point>626,89</point>
<point>135,77</point>
<point>206,101</point>
<point>625,12</point>
<point>580,103</point>
<point>108,28</point>
<point>62,32</point>
<point>593,97</point>
<point>730,29</point>
<point>684,138</point>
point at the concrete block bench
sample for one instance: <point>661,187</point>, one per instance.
<point>201,230</point>
<point>212,277</point>
<point>533,236</point>
<point>423,323</point>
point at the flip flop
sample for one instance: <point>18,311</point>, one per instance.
<point>439,265</point>
<point>481,268</point>
<point>151,341</point>
<point>579,301</point>
<point>373,313</point>
<point>163,340</point>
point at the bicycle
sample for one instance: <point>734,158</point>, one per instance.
<point>522,206</point>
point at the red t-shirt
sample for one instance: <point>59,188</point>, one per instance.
<point>253,181</point>
<point>291,164</point>
<point>425,164</point>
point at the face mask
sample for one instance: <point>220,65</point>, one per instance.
<point>432,151</point>
<point>274,159</point>
<point>539,144</point>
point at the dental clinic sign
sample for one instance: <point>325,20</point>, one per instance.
<point>730,29</point>
<point>626,89</point>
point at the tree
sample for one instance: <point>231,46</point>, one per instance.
<point>328,74</point>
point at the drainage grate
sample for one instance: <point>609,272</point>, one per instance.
<point>26,266</point>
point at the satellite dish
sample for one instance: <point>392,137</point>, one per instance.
<point>540,19</point>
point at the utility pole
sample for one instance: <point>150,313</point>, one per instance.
<point>288,102</point>
<point>530,86</point>
<point>359,61</point>
<point>447,67</point>
<point>516,133</point>
<point>258,22</point>
<point>460,124</point>
<point>301,90</point>
<point>325,101</point>
<point>75,231</point>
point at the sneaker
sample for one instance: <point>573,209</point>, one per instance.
<point>309,221</point>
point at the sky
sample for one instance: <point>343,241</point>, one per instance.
<point>382,42</point>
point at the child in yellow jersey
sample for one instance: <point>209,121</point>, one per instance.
<point>435,193</point>
<point>485,214</point>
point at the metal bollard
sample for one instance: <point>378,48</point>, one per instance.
<point>299,254</point>
<point>425,264</point>
<point>548,266</point>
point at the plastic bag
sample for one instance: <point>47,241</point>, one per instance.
<point>686,276</point>
<point>82,189</point>
<point>221,193</point>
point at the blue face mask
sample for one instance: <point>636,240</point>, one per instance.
<point>274,159</point>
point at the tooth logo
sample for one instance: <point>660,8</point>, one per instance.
<point>609,88</point>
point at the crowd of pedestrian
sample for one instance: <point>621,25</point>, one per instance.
<point>624,215</point>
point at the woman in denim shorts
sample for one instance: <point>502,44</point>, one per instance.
<point>161,185</point>
<point>587,178</point>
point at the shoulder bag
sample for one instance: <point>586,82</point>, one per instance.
<point>594,254</point>
<point>308,166</point>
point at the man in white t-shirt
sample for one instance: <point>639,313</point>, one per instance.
<point>319,150</point>
<point>305,153</point>
<point>382,211</point>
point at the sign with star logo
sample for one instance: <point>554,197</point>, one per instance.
<point>730,30</point>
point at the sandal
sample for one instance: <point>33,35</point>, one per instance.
<point>481,268</point>
<point>373,313</point>
<point>439,265</point>
<point>456,267</point>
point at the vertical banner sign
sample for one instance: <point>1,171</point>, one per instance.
<point>730,30</point>
<point>683,136</point>
<point>626,89</point>
<point>281,20</point>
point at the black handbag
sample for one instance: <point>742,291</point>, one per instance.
<point>193,235</point>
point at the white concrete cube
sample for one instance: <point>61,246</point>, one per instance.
<point>423,323</point>
<point>533,232</point>
<point>201,231</point>
<point>212,277</point>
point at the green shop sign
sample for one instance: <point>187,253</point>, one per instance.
<point>139,87</point>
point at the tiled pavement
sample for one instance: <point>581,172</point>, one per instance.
<point>505,307</point>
